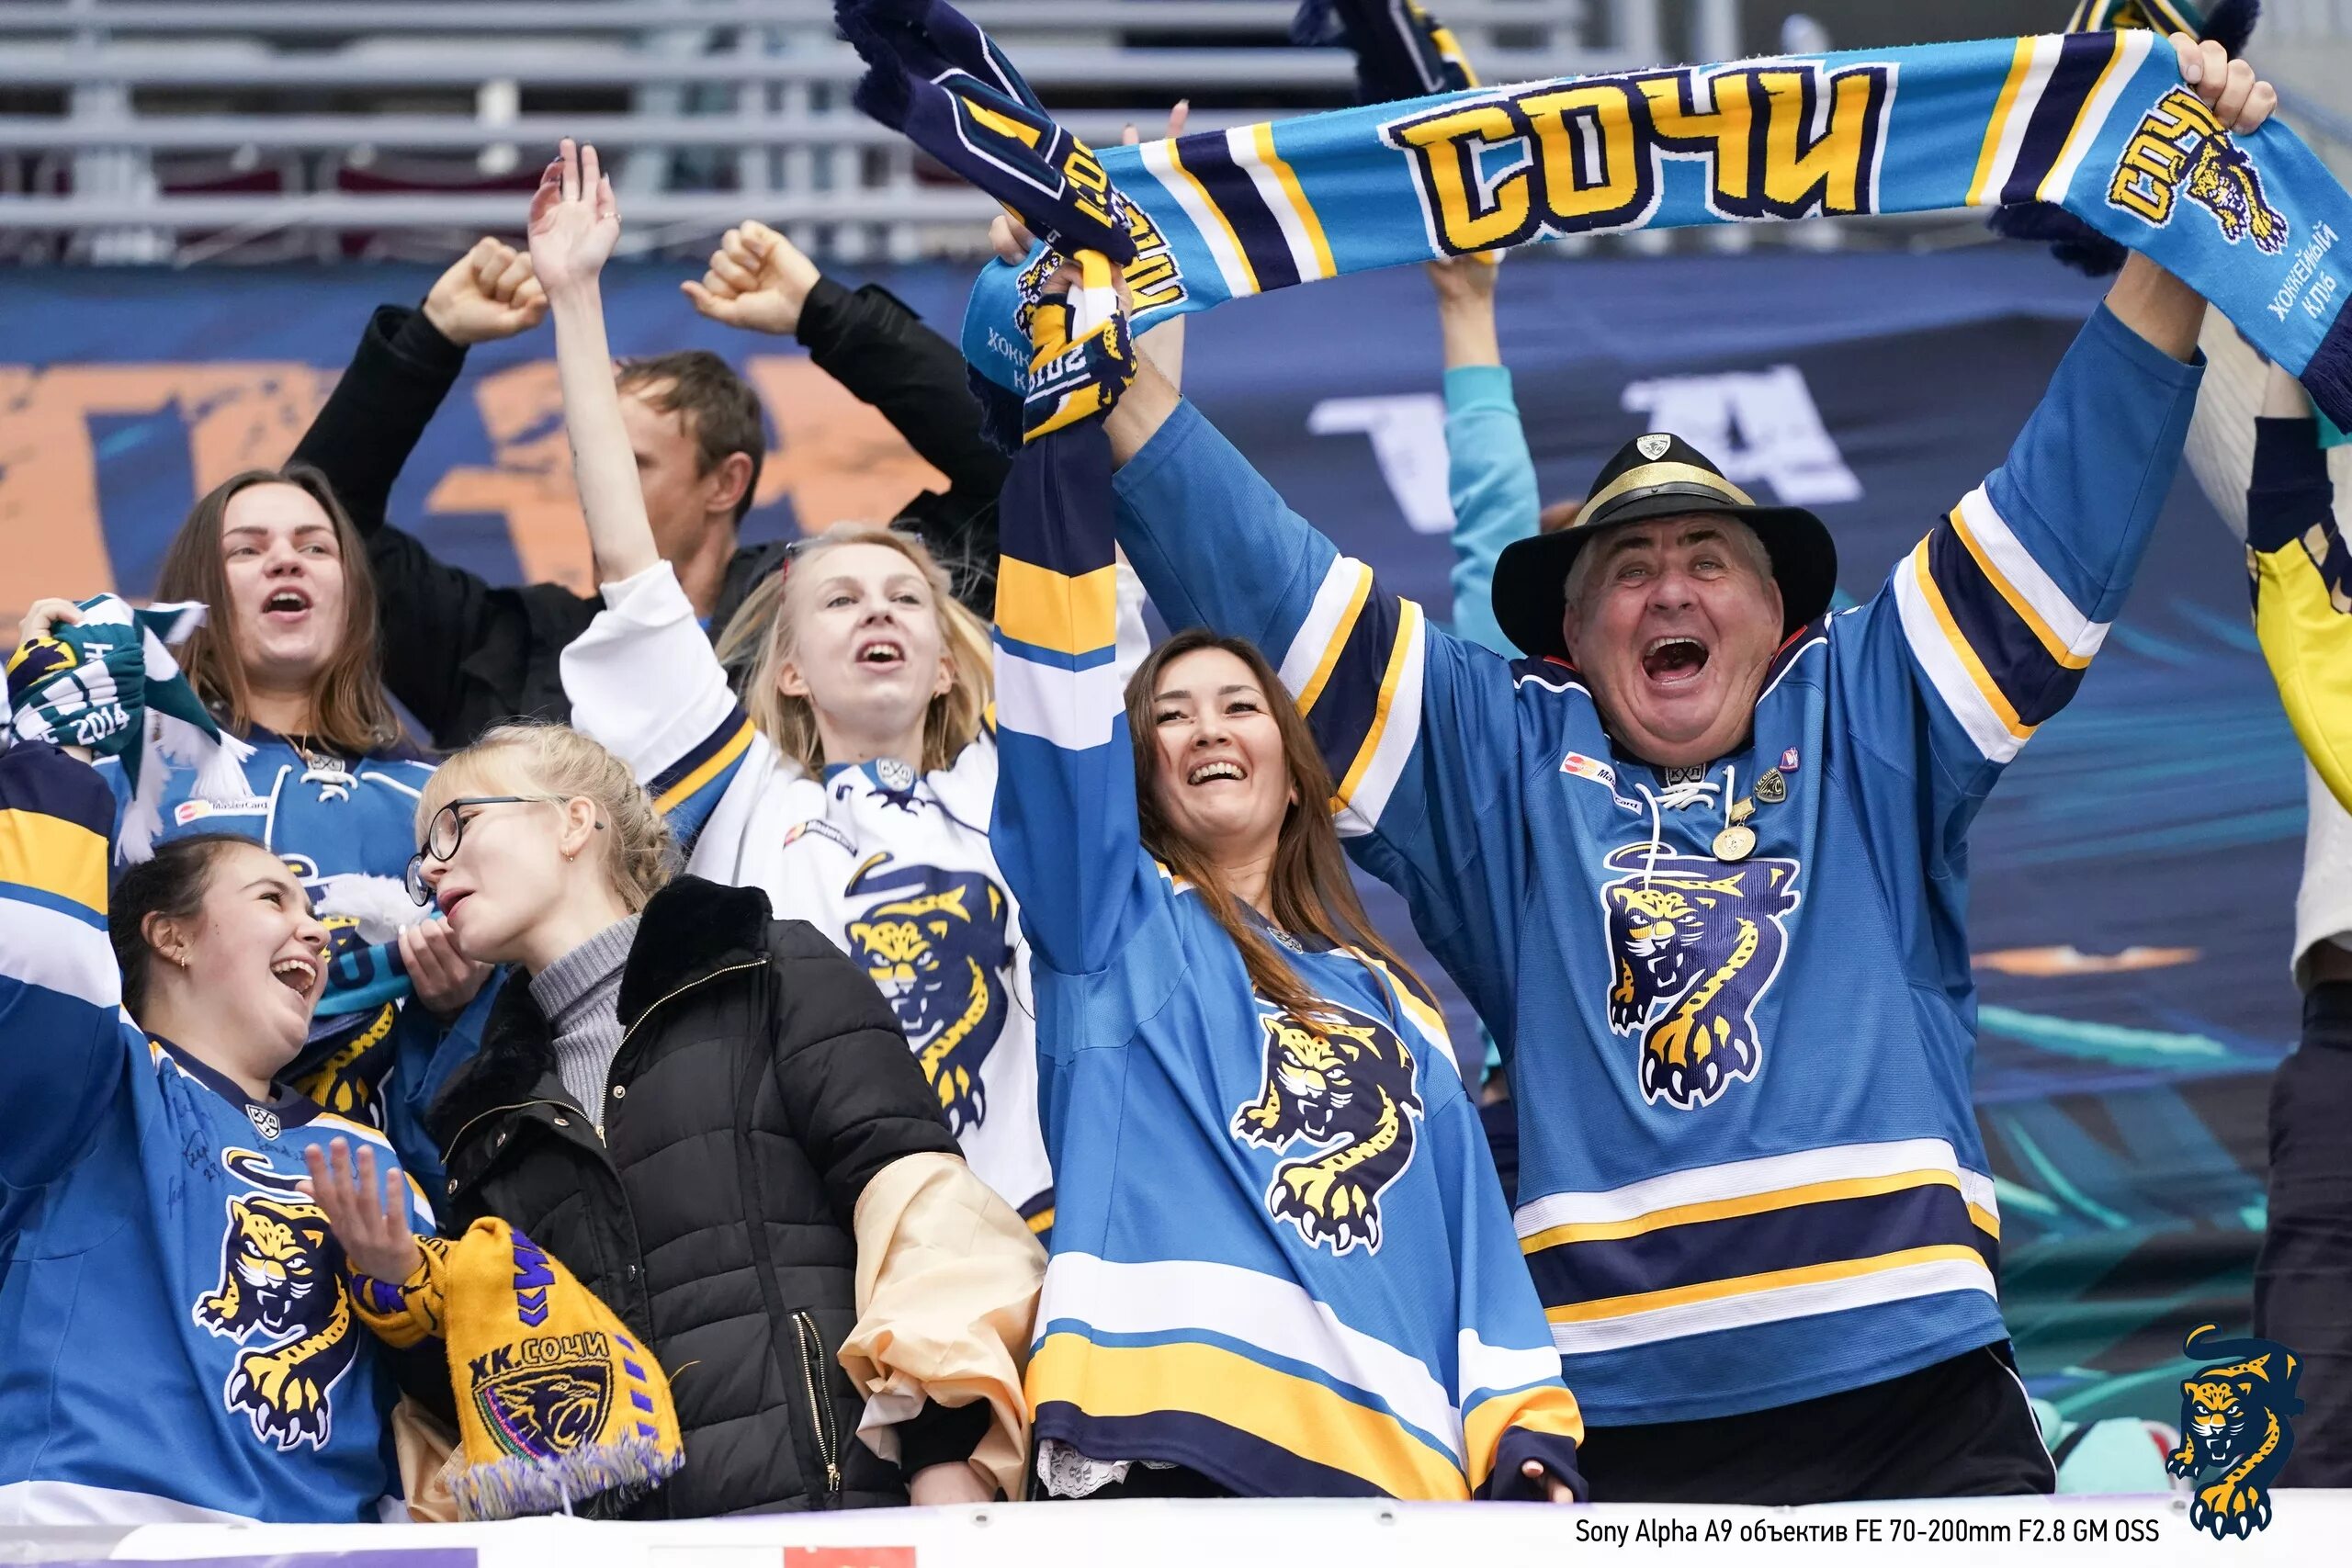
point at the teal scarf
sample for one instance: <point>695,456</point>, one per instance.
<point>2097,123</point>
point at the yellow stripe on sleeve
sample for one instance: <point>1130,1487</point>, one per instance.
<point>55,856</point>
<point>1338,642</point>
<point>718,763</point>
<point>2051,643</point>
<point>1986,685</point>
<point>1294,1414</point>
<point>1545,1409</point>
<point>1046,609</point>
<point>1408,632</point>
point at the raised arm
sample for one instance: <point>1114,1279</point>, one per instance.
<point>1490,478</point>
<point>62,1050</point>
<point>575,223</point>
<point>1066,832</point>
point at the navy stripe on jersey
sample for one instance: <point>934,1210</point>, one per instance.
<point>2081,58</point>
<point>1345,710</point>
<point>1226,1455</point>
<point>64,789</point>
<point>1745,1245</point>
<point>1209,159</point>
<point>711,746</point>
<point>2012,653</point>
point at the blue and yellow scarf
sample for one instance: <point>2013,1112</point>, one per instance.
<point>2096,122</point>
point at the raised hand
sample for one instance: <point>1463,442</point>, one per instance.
<point>2239,101</point>
<point>575,220</point>
<point>367,1216</point>
<point>757,280</point>
<point>489,293</point>
<point>446,979</point>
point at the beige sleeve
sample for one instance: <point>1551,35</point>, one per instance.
<point>948,1282</point>
<point>428,1455</point>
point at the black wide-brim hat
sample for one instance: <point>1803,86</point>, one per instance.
<point>1651,477</point>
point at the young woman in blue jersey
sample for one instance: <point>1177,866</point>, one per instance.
<point>287,661</point>
<point>852,780</point>
<point>174,1322</point>
<point>1280,1264</point>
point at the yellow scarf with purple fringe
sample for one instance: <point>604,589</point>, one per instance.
<point>557,1402</point>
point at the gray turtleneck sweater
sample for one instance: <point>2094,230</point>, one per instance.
<point>580,995</point>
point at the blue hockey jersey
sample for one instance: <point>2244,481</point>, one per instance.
<point>175,1336</point>
<point>347,829</point>
<point>1281,1257</point>
<point>1750,1172</point>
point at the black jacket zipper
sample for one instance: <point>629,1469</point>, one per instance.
<point>820,1407</point>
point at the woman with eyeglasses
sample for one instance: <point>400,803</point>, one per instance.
<point>175,1326</point>
<point>710,1116</point>
<point>853,778</point>
<point>288,660</point>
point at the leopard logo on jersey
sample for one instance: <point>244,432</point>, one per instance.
<point>938,951</point>
<point>1694,945</point>
<point>281,1281</point>
<point>2234,1428</point>
<point>1345,1087</point>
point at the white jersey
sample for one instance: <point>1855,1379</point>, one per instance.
<point>893,865</point>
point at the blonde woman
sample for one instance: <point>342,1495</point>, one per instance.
<point>853,782</point>
<point>710,1118</point>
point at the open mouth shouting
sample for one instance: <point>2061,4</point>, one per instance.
<point>299,974</point>
<point>1674,660</point>
<point>286,606</point>
<point>880,653</point>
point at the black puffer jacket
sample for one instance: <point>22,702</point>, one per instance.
<point>763,1081</point>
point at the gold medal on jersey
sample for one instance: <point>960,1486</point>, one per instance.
<point>1735,844</point>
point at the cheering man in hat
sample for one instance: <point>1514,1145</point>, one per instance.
<point>1701,862</point>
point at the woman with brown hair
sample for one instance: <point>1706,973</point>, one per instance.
<point>286,661</point>
<point>1280,1264</point>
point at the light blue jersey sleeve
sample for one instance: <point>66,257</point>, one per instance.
<point>1491,480</point>
<point>61,1036</point>
<point>1418,726</point>
<point>1066,832</point>
<point>1983,632</point>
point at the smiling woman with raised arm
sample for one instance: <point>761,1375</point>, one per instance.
<point>173,1320</point>
<point>1281,1265</point>
<point>707,1113</point>
<point>288,660</point>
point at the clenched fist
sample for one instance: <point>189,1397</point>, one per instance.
<point>757,280</point>
<point>489,293</point>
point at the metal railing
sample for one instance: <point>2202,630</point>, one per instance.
<point>150,131</point>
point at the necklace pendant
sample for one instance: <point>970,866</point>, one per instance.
<point>1735,844</point>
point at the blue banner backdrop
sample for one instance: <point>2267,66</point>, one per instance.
<point>2135,873</point>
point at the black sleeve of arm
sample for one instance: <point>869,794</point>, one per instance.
<point>942,1434</point>
<point>422,1373</point>
<point>371,423</point>
<point>2289,489</point>
<point>856,1098</point>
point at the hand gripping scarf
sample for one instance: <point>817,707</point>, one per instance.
<point>557,1403</point>
<point>2095,122</point>
<point>110,683</point>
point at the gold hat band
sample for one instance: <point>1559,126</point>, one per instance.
<point>1650,474</point>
